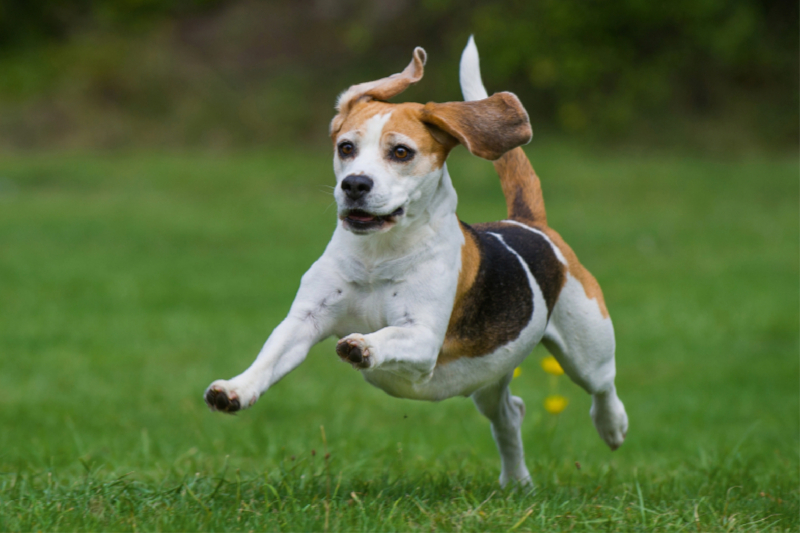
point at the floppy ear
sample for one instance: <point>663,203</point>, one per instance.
<point>382,89</point>
<point>488,128</point>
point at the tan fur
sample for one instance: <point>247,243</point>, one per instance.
<point>406,119</point>
<point>521,188</point>
<point>452,348</point>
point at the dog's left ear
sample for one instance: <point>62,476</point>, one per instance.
<point>488,128</point>
<point>382,89</point>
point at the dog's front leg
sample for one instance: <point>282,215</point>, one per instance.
<point>310,320</point>
<point>409,351</point>
<point>286,348</point>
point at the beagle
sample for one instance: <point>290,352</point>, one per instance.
<point>427,307</point>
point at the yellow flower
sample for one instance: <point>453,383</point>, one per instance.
<point>551,366</point>
<point>517,372</point>
<point>555,404</point>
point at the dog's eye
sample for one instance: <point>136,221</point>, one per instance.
<point>401,153</point>
<point>346,149</point>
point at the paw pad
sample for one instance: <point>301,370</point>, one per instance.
<point>354,352</point>
<point>219,400</point>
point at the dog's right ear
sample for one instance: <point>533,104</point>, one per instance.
<point>488,128</point>
<point>382,89</point>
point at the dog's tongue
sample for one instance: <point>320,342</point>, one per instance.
<point>361,216</point>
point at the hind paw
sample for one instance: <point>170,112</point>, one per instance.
<point>610,419</point>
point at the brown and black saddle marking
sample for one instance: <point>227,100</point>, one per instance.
<point>498,304</point>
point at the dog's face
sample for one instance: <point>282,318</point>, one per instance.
<point>388,158</point>
<point>387,165</point>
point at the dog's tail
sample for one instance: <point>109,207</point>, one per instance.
<point>470,73</point>
<point>521,185</point>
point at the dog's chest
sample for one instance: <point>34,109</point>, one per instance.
<point>417,287</point>
<point>371,306</point>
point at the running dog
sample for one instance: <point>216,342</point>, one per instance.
<point>425,306</point>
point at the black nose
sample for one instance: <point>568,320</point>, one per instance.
<point>356,186</point>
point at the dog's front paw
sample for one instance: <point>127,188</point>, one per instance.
<point>222,396</point>
<point>355,351</point>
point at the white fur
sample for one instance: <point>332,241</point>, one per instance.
<point>582,340</point>
<point>505,412</point>
<point>470,73</point>
<point>392,293</point>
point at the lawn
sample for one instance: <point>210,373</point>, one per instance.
<point>128,282</point>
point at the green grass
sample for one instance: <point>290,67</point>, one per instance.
<point>130,282</point>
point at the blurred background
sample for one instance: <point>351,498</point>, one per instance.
<point>710,75</point>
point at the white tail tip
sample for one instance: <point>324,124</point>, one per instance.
<point>470,73</point>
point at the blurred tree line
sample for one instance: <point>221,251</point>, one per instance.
<point>110,73</point>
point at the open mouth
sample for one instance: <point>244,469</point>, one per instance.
<point>361,221</point>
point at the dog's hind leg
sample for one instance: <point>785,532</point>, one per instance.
<point>581,337</point>
<point>505,412</point>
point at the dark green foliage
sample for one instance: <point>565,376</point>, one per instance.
<point>720,74</point>
<point>23,22</point>
<point>603,64</point>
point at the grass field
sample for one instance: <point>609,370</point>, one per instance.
<point>129,282</point>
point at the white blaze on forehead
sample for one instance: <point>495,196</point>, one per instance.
<point>373,127</point>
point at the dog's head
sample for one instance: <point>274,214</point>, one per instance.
<point>388,158</point>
